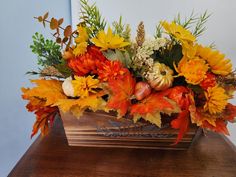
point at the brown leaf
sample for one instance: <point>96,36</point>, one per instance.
<point>40,18</point>
<point>65,39</point>
<point>53,24</point>
<point>60,21</point>
<point>45,16</point>
<point>58,40</point>
<point>68,31</point>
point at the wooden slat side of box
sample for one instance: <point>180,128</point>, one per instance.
<point>104,130</point>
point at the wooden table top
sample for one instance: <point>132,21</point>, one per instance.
<point>211,156</point>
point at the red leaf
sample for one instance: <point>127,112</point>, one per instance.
<point>181,95</point>
<point>219,128</point>
<point>155,102</point>
<point>44,120</point>
<point>122,89</point>
<point>229,113</point>
<point>181,123</point>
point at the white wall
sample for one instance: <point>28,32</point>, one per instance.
<point>16,28</point>
<point>221,27</point>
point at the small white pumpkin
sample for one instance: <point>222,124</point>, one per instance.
<point>67,87</point>
<point>160,77</point>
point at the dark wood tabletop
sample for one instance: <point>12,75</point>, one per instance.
<point>209,156</point>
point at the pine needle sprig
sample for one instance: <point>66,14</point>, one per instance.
<point>188,22</point>
<point>200,24</point>
<point>91,17</point>
<point>159,31</point>
<point>212,45</point>
<point>122,29</point>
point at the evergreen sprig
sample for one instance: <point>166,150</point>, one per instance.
<point>200,25</point>
<point>159,31</point>
<point>122,29</point>
<point>197,23</point>
<point>49,54</point>
<point>91,17</point>
<point>188,21</point>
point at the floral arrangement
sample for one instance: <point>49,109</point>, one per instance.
<point>100,67</point>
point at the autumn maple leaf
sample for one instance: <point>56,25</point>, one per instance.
<point>121,91</point>
<point>93,102</point>
<point>181,123</point>
<point>44,114</point>
<point>229,112</point>
<point>44,119</point>
<point>41,98</point>
<point>49,90</point>
<point>151,107</point>
<point>220,126</point>
<point>185,100</point>
<point>214,122</point>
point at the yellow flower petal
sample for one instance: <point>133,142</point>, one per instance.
<point>217,62</point>
<point>83,86</point>
<point>216,100</point>
<point>109,41</point>
<point>194,70</point>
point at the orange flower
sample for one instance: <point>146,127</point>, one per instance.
<point>89,62</point>
<point>209,81</point>
<point>110,70</point>
<point>194,70</point>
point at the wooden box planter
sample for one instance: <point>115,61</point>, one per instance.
<point>99,129</point>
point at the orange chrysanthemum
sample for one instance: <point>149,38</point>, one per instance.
<point>194,70</point>
<point>89,62</point>
<point>111,70</point>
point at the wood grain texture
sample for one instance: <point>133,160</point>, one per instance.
<point>209,156</point>
<point>101,129</point>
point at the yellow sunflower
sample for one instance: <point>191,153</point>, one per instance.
<point>109,40</point>
<point>217,61</point>
<point>216,100</point>
<point>80,48</point>
<point>83,86</point>
<point>83,35</point>
<point>81,41</point>
<point>194,70</point>
<point>182,35</point>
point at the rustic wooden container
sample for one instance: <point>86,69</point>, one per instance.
<point>99,129</point>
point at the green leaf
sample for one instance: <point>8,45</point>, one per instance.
<point>169,56</point>
<point>122,56</point>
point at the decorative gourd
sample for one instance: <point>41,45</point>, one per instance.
<point>160,77</point>
<point>67,87</point>
<point>142,89</point>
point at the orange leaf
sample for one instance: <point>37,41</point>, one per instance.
<point>155,102</point>
<point>122,89</point>
<point>151,107</point>
<point>41,99</point>
<point>220,126</point>
<point>68,31</point>
<point>60,21</point>
<point>48,90</point>
<point>181,123</point>
<point>53,24</point>
<point>181,95</point>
